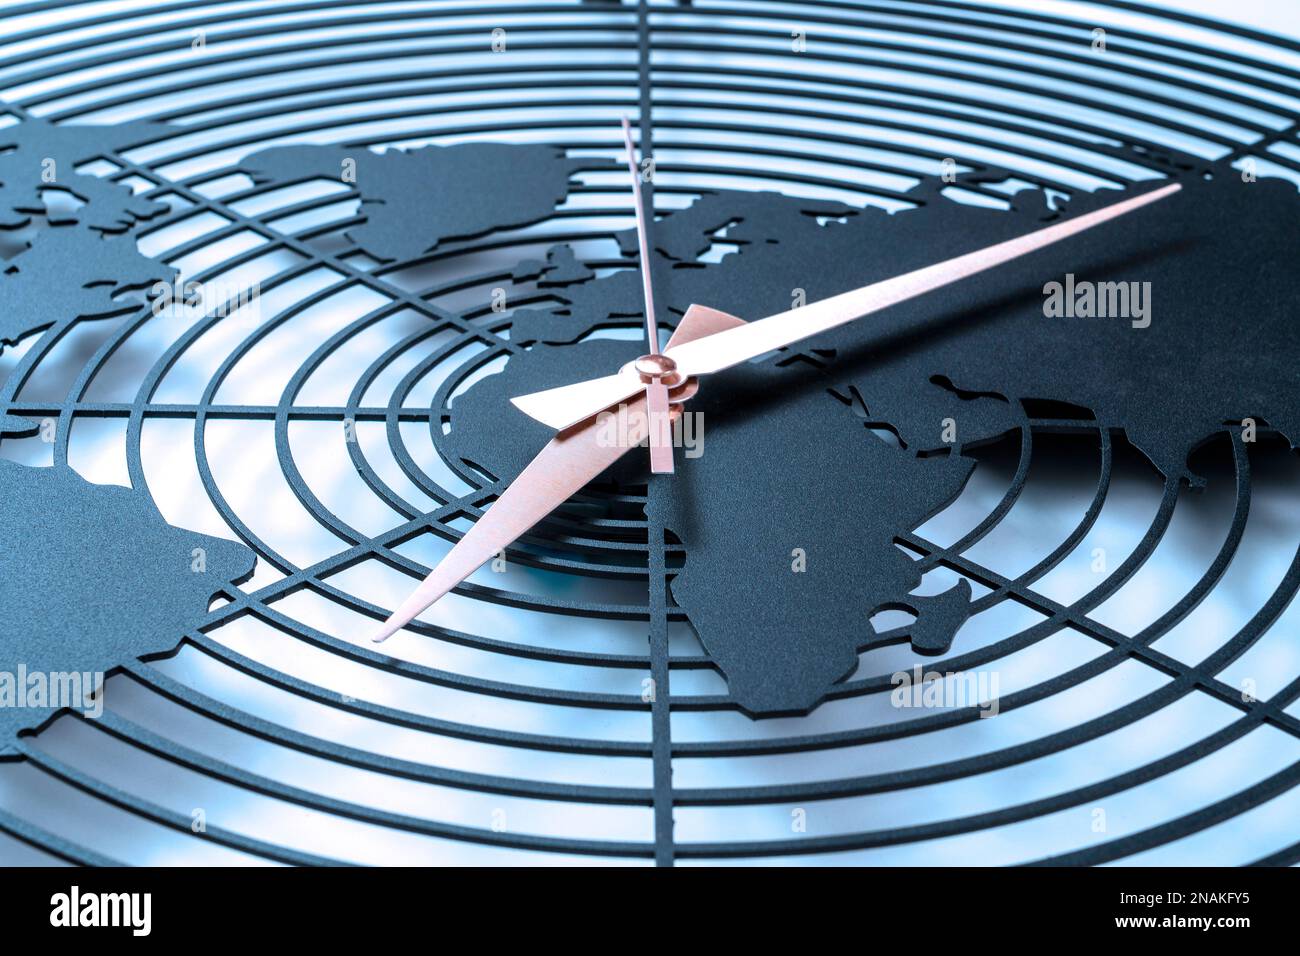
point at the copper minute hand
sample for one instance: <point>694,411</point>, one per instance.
<point>569,404</point>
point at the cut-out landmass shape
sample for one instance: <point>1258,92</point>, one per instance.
<point>70,273</point>
<point>37,157</point>
<point>77,265</point>
<point>93,577</point>
<point>416,199</point>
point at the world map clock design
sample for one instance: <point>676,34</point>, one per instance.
<point>268,293</point>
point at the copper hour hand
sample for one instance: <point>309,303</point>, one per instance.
<point>567,463</point>
<point>561,407</point>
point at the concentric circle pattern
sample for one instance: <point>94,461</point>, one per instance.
<point>1140,635</point>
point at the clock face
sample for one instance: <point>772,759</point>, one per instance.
<point>1000,574</point>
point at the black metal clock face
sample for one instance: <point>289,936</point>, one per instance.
<point>1001,574</point>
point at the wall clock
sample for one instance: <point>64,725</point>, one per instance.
<point>1003,573</point>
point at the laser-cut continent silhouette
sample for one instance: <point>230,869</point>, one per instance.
<point>93,578</point>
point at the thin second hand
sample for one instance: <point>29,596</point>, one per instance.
<point>651,328</point>
<point>661,450</point>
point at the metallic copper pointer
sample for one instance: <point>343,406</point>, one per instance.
<point>563,406</point>
<point>567,463</point>
<point>656,388</point>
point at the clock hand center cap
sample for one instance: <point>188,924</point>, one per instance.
<point>657,366</point>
